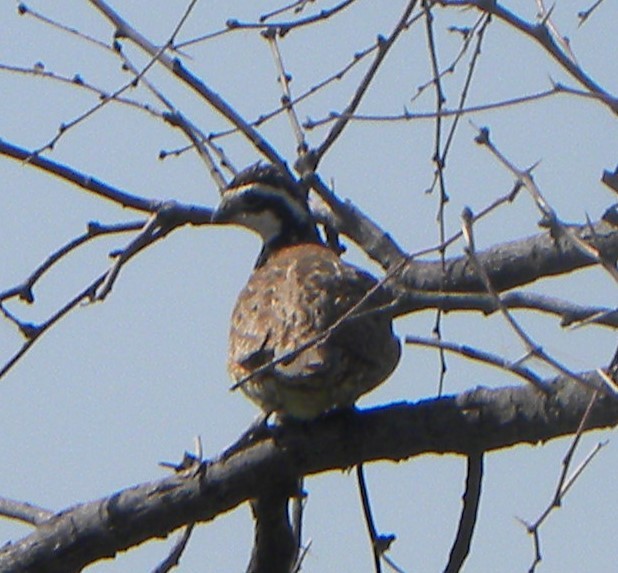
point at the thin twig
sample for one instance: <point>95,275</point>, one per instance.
<point>24,511</point>
<point>371,528</point>
<point>286,99</point>
<point>95,229</point>
<point>550,218</point>
<point>469,513</point>
<point>446,112</point>
<point>78,178</point>
<point>439,159</point>
<point>383,49</point>
<point>285,27</point>
<point>37,331</point>
<point>23,9</point>
<point>380,543</point>
<point>480,356</point>
<point>532,348</point>
<point>175,66</point>
<point>565,482</point>
<point>77,81</point>
<point>585,14</point>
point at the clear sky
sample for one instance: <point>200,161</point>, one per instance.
<point>118,387</point>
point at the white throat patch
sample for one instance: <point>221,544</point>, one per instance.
<point>266,224</point>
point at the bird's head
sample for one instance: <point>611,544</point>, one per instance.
<point>264,200</point>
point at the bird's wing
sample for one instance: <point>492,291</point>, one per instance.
<point>286,304</point>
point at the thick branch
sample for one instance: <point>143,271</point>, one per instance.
<point>511,264</point>
<point>479,420</point>
<point>275,548</point>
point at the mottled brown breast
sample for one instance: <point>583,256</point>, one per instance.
<point>296,295</point>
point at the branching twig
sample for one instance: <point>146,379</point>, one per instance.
<point>95,229</point>
<point>550,217</point>
<point>383,49</point>
<point>480,356</point>
<point>175,66</point>
<point>286,99</point>
<point>66,126</point>
<point>284,27</point>
<point>189,129</point>
<point>532,348</point>
<point>564,483</point>
<point>168,217</point>
<point>202,144</point>
<point>380,543</point>
<point>281,27</point>
<point>335,77</point>
<point>541,34</point>
<point>34,332</point>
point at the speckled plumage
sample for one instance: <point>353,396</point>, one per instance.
<point>299,289</point>
<point>298,294</point>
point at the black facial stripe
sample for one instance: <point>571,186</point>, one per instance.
<point>261,190</point>
<point>256,197</point>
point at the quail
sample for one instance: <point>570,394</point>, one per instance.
<point>289,349</point>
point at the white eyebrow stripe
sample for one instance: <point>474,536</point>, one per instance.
<point>294,204</point>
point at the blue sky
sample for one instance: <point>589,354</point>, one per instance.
<point>119,386</point>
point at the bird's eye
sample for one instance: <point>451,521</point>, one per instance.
<point>253,201</point>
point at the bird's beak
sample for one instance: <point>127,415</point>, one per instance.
<point>223,213</point>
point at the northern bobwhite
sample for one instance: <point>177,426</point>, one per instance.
<point>298,289</point>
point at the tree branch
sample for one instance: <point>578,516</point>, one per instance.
<point>77,178</point>
<point>23,511</point>
<point>467,521</point>
<point>275,549</point>
<point>383,49</point>
<point>478,420</point>
<point>175,66</point>
<point>509,265</point>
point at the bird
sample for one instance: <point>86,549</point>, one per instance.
<point>292,348</point>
